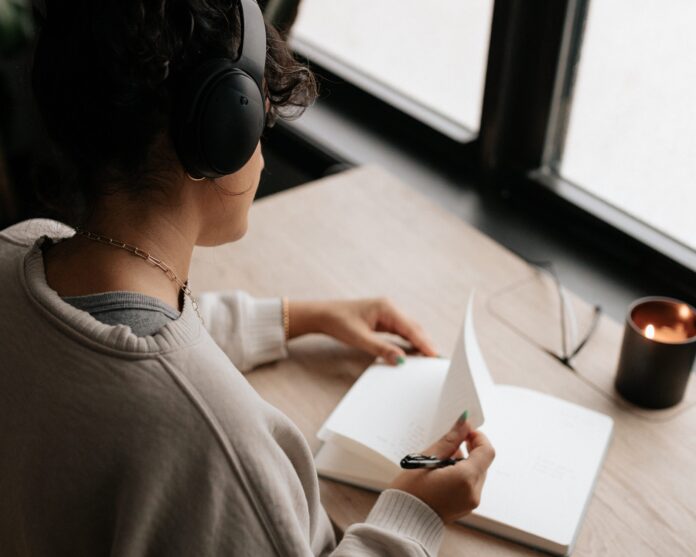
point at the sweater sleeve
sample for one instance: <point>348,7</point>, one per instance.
<point>398,525</point>
<point>249,330</point>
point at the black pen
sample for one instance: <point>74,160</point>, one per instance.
<point>413,461</point>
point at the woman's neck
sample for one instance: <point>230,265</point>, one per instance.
<point>79,266</point>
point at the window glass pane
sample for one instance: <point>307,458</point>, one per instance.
<point>632,131</point>
<point>431,53</point>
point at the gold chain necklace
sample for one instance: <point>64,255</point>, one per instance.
<point>147,257</point>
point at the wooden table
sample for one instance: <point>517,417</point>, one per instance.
<point>363,234</point>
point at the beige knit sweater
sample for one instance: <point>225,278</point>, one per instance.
<point>113,444</point>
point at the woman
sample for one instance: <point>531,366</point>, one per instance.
<point>126,429</point>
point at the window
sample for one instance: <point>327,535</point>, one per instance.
<point>631,135</point>
<point>582,109</point>
<point>426,58</point>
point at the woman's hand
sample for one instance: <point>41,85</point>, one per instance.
<point>357,322</point>
<point>453,491</point>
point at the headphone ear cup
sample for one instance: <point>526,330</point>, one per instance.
<point>219,120</point>
<point>231,122</point>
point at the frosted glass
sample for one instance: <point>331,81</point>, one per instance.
<point>433,52</point>
<point>632,132</point>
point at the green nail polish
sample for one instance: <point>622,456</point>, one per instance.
<point>400,360</point>
<point>463,417</point>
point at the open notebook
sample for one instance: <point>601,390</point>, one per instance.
<point>548,451</point>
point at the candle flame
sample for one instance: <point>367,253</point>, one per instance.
<point>650,331</point>
<point>684,311</point>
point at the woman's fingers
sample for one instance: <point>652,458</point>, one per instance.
<point>448,444</point>
<point>481,452</point>
<point>379,347</point>
<point>451,491</point>
<point>357,323</point>
<point>392,320</point>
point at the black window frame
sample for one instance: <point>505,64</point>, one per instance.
<point>534,53</point>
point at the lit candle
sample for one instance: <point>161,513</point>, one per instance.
<point>676,333</point>
<point>657,353</point>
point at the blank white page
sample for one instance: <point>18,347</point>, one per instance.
<point>468,385</point>
<point>390,409</point>
<point>548,454</point>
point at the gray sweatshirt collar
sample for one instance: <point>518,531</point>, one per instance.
<point>75,322</point>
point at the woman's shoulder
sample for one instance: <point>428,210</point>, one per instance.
<point>217,390</point>
<point>235,414</point>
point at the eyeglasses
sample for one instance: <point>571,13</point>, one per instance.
<point>567,353</point>
<point>569,349</point>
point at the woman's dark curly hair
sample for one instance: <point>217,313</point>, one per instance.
<point>105,76</point>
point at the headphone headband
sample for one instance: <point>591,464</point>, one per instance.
<point>252,52</point>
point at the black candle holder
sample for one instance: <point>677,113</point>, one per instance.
<point>653,372</point>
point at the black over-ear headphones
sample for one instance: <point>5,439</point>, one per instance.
<point>220,111</point>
